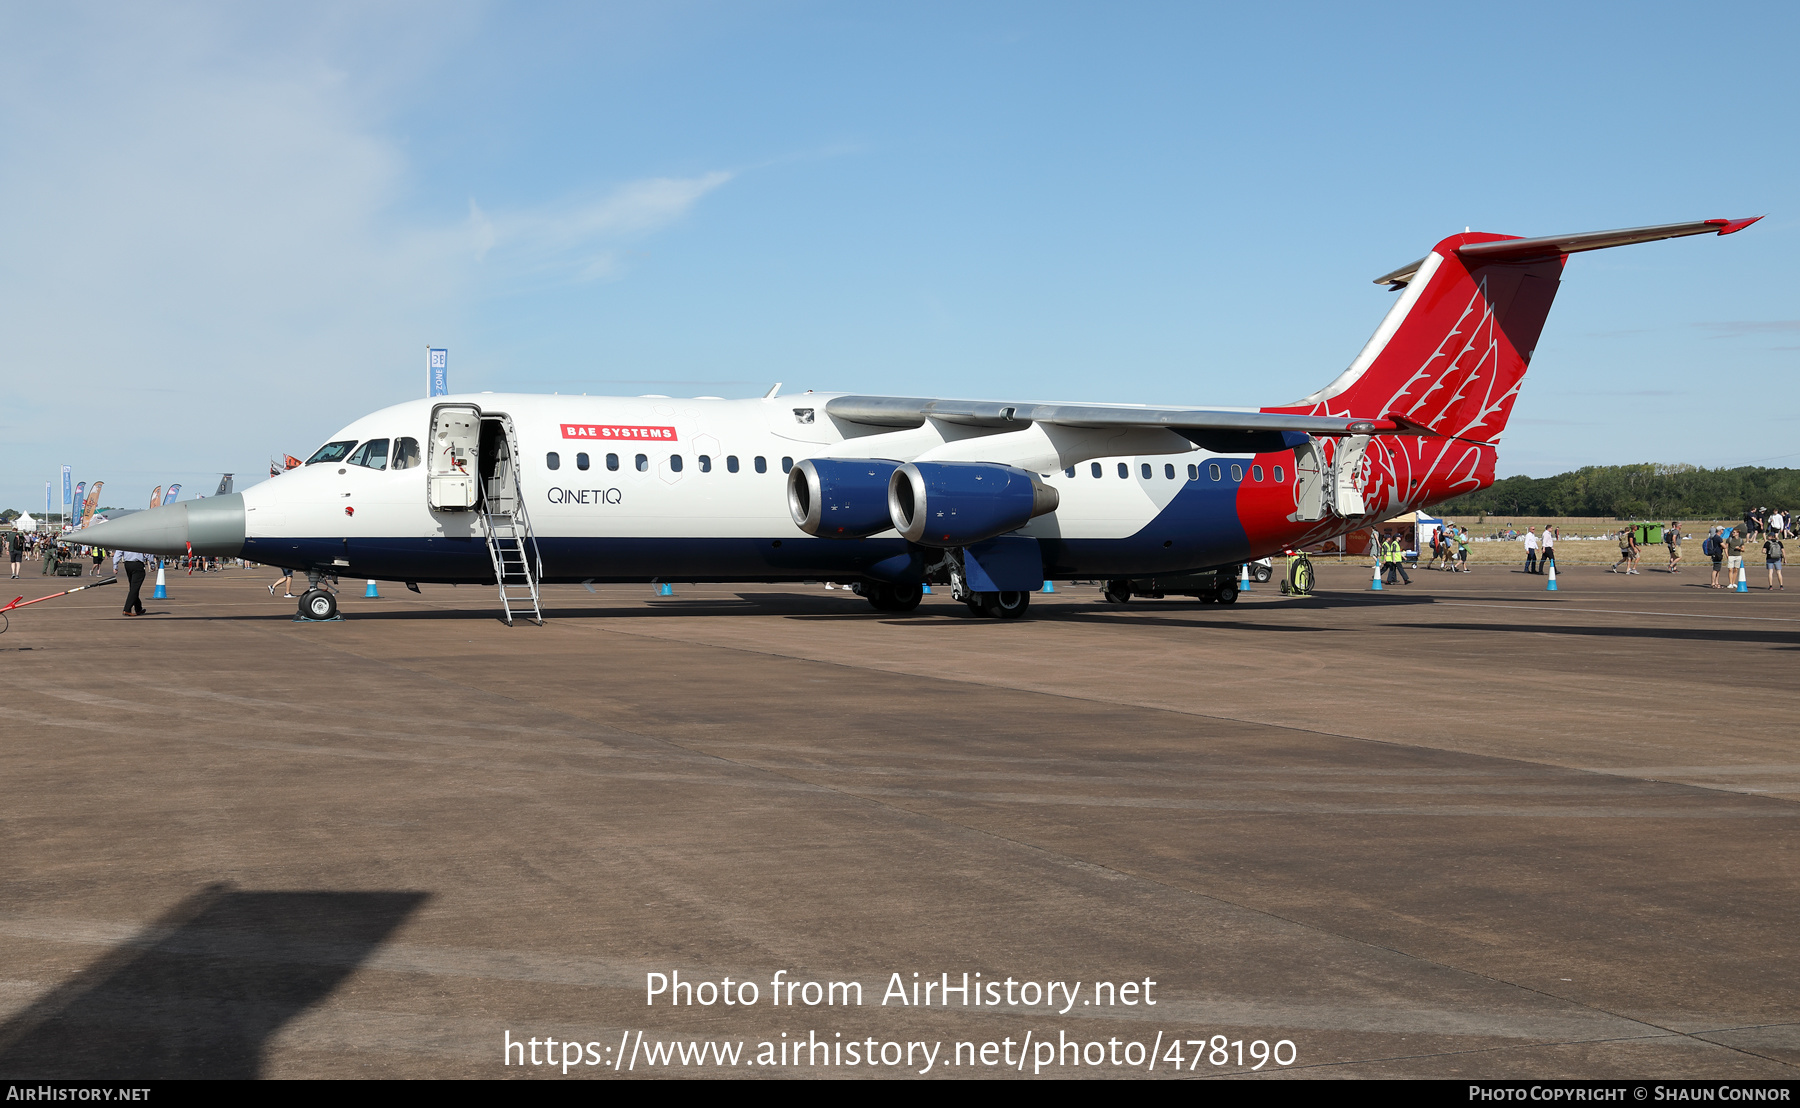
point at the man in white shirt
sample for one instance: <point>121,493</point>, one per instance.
<point>1531,549</point>
<point>134,564</point>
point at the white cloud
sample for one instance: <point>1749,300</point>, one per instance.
<point>579,237</point>
<point>210,247</point>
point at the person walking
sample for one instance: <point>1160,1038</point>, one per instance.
<point>1397,561</point>
<point>49,549</point>
<point>99,555</point>
<point>1531,550</point>
<point>1626,540</point>
<point>1462,550</point>
<point>134,578</point>
<point>15,549</point>
<point>1547,549</point>
<point>1672,540</point>
<point>286,581</point>
<point>1772,554</point>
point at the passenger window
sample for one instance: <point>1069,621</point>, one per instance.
<point>762,464</point>
<point>1193,473</point>
<point>373,454</point>
<point>581,461</point>
<point>1212,470</point>
<point>1279,476</point>
<point>1124,470</point>
<point>731,463</point>
<point>612,461</point>
<point>406,454</point>
<point>706,463</point>
<point>553,460</point>
<point>1256,473</point>
<point>1237,473</point>
<point>1169,472</point>
<point>332,452</point>
<point>675,463</point>
<point>1070,472</point>
<point>1145,470</point>
<point>643,463</point>
<point>1096,469</point>
<point>787,464</point>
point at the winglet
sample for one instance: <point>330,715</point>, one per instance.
<point>1731,226</point>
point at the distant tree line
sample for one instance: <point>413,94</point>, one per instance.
<point>1648,491</point>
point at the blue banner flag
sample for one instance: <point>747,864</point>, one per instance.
<point>437,368</point>
<point>47,503</point>
<point>67,490</point>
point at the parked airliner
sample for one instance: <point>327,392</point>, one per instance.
<point>989,498</point>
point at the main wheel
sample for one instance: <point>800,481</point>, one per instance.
<point>1117,592</point>
<point>1228,593</point>
<point>1007,605</point>
<point>904,598</point>
<point>318,604</point>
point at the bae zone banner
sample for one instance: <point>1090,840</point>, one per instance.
<point>615,432</point>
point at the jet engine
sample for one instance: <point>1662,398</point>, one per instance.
<point>837,498</point>
<point>958,503</point>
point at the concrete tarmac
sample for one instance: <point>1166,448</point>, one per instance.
<point>1463,828</point>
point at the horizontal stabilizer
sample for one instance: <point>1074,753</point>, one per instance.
<point>1510,250</point>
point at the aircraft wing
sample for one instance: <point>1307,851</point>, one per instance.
<point>1209,428</point>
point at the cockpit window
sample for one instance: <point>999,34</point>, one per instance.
<point>373,454</point>
<point>406,453</point>
<point>332,452</point>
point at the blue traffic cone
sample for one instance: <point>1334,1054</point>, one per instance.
<point>1049,586</point>
<point>927,589</point>
<point>1244,578</point>
<point>162,585</point>
<point>1743,578</point>
<point>370,593</point>
<point>1550,585</point>
<point>665,589</point>
<point>1375,581</point>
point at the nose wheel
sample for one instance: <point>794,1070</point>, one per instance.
<point>318,605</point>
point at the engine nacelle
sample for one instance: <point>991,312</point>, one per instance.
<point>839,498</point>
<point>958,503</point>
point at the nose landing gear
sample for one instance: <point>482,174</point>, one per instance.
<point>318,604</point>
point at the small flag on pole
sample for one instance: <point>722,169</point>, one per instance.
<point>437,370</point>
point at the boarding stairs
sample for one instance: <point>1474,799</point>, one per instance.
<point>514,550</point>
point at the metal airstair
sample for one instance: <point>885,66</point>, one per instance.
<point>513,548</point>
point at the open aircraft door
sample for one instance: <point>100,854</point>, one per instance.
<point>455,458</point>
<point>1321,486</point>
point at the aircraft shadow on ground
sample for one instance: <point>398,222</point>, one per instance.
<point>1788,639</point>
<point>202,991</point>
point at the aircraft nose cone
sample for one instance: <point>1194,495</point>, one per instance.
<point>215,526</point>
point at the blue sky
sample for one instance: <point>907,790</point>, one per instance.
<point>227,230</point>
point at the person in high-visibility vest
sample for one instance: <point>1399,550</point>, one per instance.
<point>1396,560</point>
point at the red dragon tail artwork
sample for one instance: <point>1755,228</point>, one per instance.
<point>1449,358</point>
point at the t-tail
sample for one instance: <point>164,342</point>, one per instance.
<point>1448,359</point>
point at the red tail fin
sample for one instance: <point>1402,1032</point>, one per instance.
<point>1452,353</point>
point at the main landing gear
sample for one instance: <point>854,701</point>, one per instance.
<point>890,598</point>
<point>998,605</point>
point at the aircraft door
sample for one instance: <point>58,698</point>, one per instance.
<point>1346,498</point>
<point>455,457</point>
<point>499,461</point>
<point>1309,482</point>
